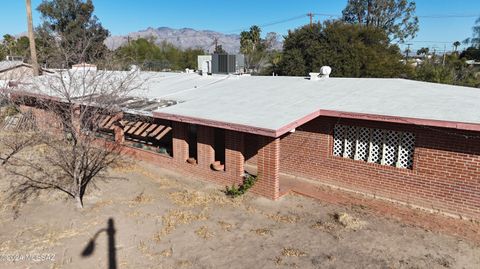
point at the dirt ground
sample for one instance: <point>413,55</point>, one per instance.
<point>164,220</point>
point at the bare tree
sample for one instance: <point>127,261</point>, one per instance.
<point>65,152</point>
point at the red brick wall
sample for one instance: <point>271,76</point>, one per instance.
<point>445,174</point>
<point>268,164</point>
<point>234,154</point>
<point>233,158</point>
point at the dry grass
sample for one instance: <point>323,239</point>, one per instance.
<point>324,226</point>
<point>204,233</point>
<point>349,222</point>
<point>101,204</point>
<point>184,263</point>
<point>293,252</point>
<point>283,218</point>
<point>167,252</point>
<point>189,198</point>
<point>39,238</point>
<point>263,232</point>
<point>175,218</point>
<point>131,168</point>
<point>141,198</point>
<point>225,225</point>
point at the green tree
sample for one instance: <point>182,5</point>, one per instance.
<point>255,48</point>
<point>3,53</point>
<point>219,49</point>
<point>454,71</point>
<point>12,46</point>
<point>150,56</point>
<point>142,52</point>
<point>351,51</point>
<point>189,58</point>
<point>471,53</point>
<point>71,31</point>
<point>423,51</point>
<point>396,17</point>
<point>474,41</point>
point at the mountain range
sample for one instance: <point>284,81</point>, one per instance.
<point>184,38</point>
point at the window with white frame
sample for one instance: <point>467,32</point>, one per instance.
<point>386,147</point>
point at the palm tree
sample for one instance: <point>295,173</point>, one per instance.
<point>455,45</point>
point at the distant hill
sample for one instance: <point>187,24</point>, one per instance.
<point>184,38</point>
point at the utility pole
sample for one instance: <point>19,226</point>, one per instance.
<point>311,18</point>
<point>31,37</point>
<point>407,51</point>
<point>444,54</point>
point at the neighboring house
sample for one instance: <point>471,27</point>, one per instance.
<point>15,70</point>
<point>409,141</point>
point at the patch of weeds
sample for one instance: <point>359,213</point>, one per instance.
<point>204,233</point>
<point>225,225</point>
<point>197,199</point>
<point>324,226</point>
<point>142,198</point>
<point>278,260</point>
<point>263,232</point>
<point>175,218</point>
<point>184,263</point>
<point>349,222</point>
<point>283,218</point>
<point>293,252</point>
<point>167,252</point>
<point>234,191</point>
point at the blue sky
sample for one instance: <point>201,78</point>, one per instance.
<point>124,16</point>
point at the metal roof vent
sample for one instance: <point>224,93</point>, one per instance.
<point>313,76</point>
<point>325,71</point>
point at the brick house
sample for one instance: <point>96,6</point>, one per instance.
<point>413,142</point>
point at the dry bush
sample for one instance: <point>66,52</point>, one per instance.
<point>263,232</point>
<point>189,198</point>
<point>293,252</point>
<point>141,198</point>
<point>283,218</point>
<point>349,222</point>
<point>225,225</point>
<point>204,233</point>
<point>167,252</point>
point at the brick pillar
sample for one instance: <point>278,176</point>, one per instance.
<point>234,159</point>
<point>180,144</point>
<point>205,141</point>
<point>118,129</point>
<point>268,162</point>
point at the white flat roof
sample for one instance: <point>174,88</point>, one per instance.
<point>274,105</point>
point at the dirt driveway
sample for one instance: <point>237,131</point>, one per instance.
<point>164,220</point>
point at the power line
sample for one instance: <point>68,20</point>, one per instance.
<point>271,23</point>
<point>442,16</point>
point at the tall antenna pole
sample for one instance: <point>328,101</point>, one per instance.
<point>31,37</point>
<point>311,18</point>
<point>444,54</point>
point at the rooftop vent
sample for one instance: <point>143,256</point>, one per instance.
<point>325,71</point>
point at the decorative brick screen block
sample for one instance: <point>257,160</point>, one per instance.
<point>268,163</point>
<point>180,144</point>
<point>435,168</point>
<point>387,147</point>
